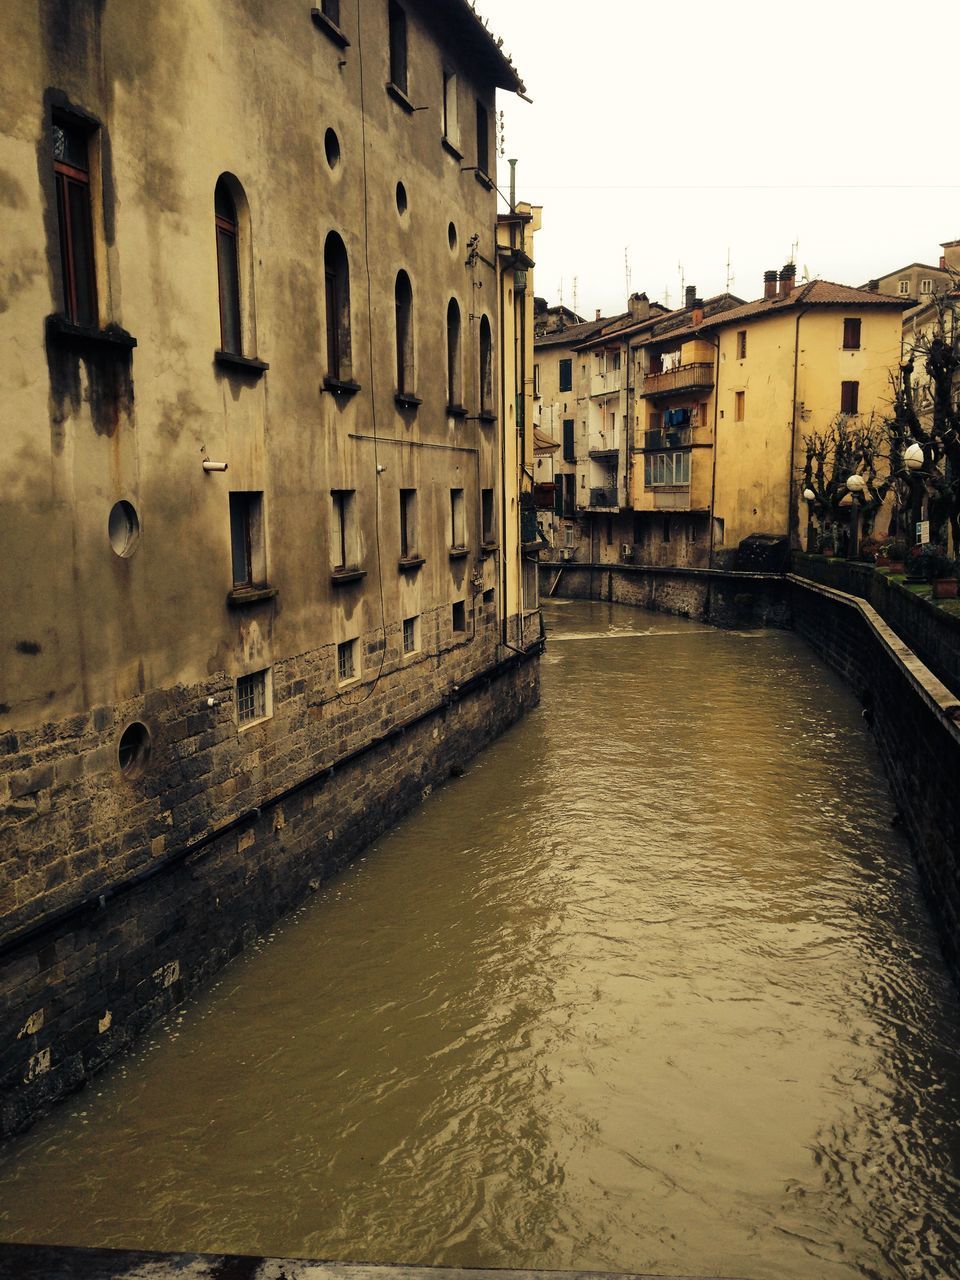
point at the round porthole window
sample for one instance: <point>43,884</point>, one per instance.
<point>401,199</point>
<point>123,529</point>
<point>331,147</point>
<point>133,750</point>
<point>452,235</point>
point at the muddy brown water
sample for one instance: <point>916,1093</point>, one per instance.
<point>652,987</point>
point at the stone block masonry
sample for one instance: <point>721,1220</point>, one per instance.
<point>122,897</point>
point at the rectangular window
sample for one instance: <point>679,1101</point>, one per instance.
<point>569,495</point>
<point>71,169</point>
<point>536,381</point>
<point>926,286</point>
<point>742,344</point>
<point>411,637</point>
<point>346,661</point>
<point>408,524</point>
<point>531,585</point>
<point>253,697</point>
<point>903,288</point>
<point>566,375</point>
<point>344,550</point>
<point>451,121</point>
<point>247,542</point>
<point>851,335</point>
<point>487,517</point>
<point>569,448</point>
<point>740,406</point>
<point>483,138</point>
<point>849,397</point>
<point>398,46</point>
<point>458,616</point>
<point>331,9</point>
<point>666,528</point>
<point>458,537</point>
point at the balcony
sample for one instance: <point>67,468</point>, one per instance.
<point>604,500</point>
<point>668,438</point>
<point>606,384</point>
<point>545,496</point>
<point>686,377</point>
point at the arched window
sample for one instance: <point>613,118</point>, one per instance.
<point>228,267</point>
<point>454,377</point>
<point>486,367</point>
<point>337,281</point>
<point>404,301</point>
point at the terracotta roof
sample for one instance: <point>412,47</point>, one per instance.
<point>462,25</point>
<point>571,335</point>
<point>817,293</point>
<point>660,323</point>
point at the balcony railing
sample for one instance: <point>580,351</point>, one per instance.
<point>686,377</point>
<point>668,438</point>
<point>605,384</point>
<point>601,499</point>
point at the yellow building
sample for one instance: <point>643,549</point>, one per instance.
<point>724,402</point>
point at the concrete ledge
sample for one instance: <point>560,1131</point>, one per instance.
<point>38,1262</point>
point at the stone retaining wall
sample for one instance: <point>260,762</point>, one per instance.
<point>724,598</point>
<point>77,985</point>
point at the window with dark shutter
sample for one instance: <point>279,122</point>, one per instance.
<point>849,397</point>
<point>566,375</point>
<point>228,268</point>
<point>569,451</point>
<point>398,46</point>
<point>71,167</point>
<point>337,286</point>
<point>851,335</point>
<point>483,138</point>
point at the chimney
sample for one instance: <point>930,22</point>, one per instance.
<point>770,284</point>
<point>598,313</point>
<point>691,294</point>
<point>873,286</point>
<point>943,262</point>
<point>788,273</point>
<point>638,305</point>
<point>697,317</point>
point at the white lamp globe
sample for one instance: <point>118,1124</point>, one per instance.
<point>913,457</point>
<point>809,495</point>
<point>856,484</point>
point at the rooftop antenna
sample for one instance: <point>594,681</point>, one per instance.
<point>683,283</point>
<point>626,264</point>
<point>730,275</point>
<point>666,296</point>
<point>561,291</point>
<point>502,135</point>
<point>806,272</point>
<point>576,312</point>
<point>793,252</point>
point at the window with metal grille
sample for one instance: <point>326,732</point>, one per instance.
<point>398,45</point>
<point>71,168</point>
<point>252,697</point>
<point>410,628</point>
<point>849,397</point>
<point>851,334</point>
<point>346,660</point>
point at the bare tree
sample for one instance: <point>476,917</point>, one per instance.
<point>850,445</point>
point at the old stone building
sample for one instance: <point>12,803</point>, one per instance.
<point>264,564</point>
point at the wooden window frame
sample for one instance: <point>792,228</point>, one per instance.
<point>852,333</point>
<point>850,397</point>
<point>398,47</point>
<point>75,227</point>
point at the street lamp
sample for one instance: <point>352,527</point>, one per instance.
<point>810,498</point>
<point>855,486</point>
<point>914,460</point>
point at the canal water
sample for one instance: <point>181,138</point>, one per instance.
<point>650,988</point>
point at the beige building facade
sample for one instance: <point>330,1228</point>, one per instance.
<point>261,496</point>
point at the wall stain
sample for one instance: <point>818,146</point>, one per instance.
<point>109,380</point>
<point>28,646</point>
<point>12,194</point>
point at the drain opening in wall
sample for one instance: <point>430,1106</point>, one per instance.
<point>123,529</point>
<point>133,751</point>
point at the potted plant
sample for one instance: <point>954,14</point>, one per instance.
<point>893,554</point>
<point>942,575</point>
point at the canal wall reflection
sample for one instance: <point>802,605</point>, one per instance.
<point>651,987</point>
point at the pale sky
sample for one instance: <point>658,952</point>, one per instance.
<point>678,131</point>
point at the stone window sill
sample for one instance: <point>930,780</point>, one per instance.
<point>60,329</point>
<point>484,179</point>
<point>409,564</point>
<point>397,94</point>
<point>240,596</point>
<point>459,553</point>
<point>341,577</point>
<point>485,415</point>
<point>329,29</point>
<point>341,386</point>
<point>452,148</point>
<point>456,411</point>
<point>406,400</point>
<point>488,548</point>
<point>240,364</point>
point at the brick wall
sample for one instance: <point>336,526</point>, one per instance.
<point>121,897</point>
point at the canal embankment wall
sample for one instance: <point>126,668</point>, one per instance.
<point>83,978</point>
<point>911,710</point>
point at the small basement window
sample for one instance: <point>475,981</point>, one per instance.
<point>133,749</point>
<point>411,634</point>
<point>347,661</point>
<point>253,698</point>
<point>459,616</point>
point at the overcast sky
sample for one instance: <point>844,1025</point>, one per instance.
<point>675,132</point>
